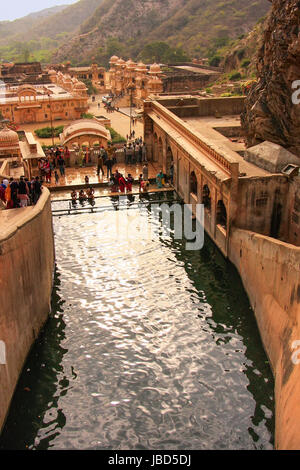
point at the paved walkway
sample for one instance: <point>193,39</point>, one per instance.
<point>119,122</point>
<point>75,176</point>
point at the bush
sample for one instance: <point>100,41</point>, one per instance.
<point>46,132</point>
<point>87,116</point>
<point>245,63</point>
<point>115,137</point>
<point>215,61</point>
<point>235,76</point>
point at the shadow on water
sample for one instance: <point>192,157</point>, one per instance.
<point>215,276</point>
<point>37,388</point>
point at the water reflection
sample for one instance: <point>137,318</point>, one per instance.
<point>157,348</point>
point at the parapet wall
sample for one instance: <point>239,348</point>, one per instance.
<point>270,271</point>
<point>26,273</point>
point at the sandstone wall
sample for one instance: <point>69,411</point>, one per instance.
<point>270,272</point>
<point>26,269</point>
<point>261,205</point>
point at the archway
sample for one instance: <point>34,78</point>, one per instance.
<point>160,152</point>
<point>193,183</point>
<point>221,214</point>
<point>155,148</point>
<point>169,160</point>
<point>206,197</point>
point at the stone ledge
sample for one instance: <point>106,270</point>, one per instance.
<point>13,219</point>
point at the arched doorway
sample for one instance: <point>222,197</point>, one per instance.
<point>160,152</point>
<point>221,214</point>
<point>155,148</point>
<point>169,160</point>
<point>206,197</point>
<point>193,183</point>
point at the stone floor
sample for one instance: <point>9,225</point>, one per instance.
<point>75,176</point>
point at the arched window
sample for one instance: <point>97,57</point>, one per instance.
<point>193,183</point>
<point>221,214</point>
<point>206,198</point>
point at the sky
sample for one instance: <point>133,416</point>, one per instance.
<point>17,8</point>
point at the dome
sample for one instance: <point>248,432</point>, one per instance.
<point>68,79</point>
<point>141,67</point>
<point>130,65</point>
<point>8,138</point>
<point>114,59</point>
<point>80,86</point>
<point>155,68</point>
<point>120,62</point>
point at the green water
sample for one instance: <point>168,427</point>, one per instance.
<point>148,346</point>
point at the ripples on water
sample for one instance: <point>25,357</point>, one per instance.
<point>148,347</point>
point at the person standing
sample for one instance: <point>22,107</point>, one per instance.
<point>61,165</point>
<point>125,153</point>
<point>67,156</point>
<point>140,152</point>
<point>129,154</point>
<point>160,179</point>
<point>109,165</point>
<point>129,182</point>
<point>144,152</point>
<point>145,172</point>
<point>100,165</point>
<point>14,192</point>
<point>37,189</point>
<point>23,193</point>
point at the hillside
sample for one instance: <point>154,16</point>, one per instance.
<point>8,29</point>
<point>126,26</point>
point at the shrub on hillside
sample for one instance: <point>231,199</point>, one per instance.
<point>235,76</point>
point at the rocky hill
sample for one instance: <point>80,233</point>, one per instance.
<point>270,112</point>
<point>194,25</point>
<point>9,29</point>
<point>48,23</point>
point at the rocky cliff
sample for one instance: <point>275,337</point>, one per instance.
<point>191,24</point>
<point>270,113</point>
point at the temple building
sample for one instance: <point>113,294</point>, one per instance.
<point>19,157</point>
<point>61,98</point>
<point>89,132</point>
<point>97,75</point>
<point>21,73</point>
<point>136,81</point>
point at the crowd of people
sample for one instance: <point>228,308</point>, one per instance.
<point>20,193</point>
<point>54,164</point>
<point>120,183</point>
<point>135,151</point>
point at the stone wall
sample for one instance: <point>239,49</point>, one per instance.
<point>26,266</point>
<point>188,107</point>
<point>271,276</point>
<point>261,203</point>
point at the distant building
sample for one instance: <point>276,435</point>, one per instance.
<point>154,79</point>
<point>60,99</point>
